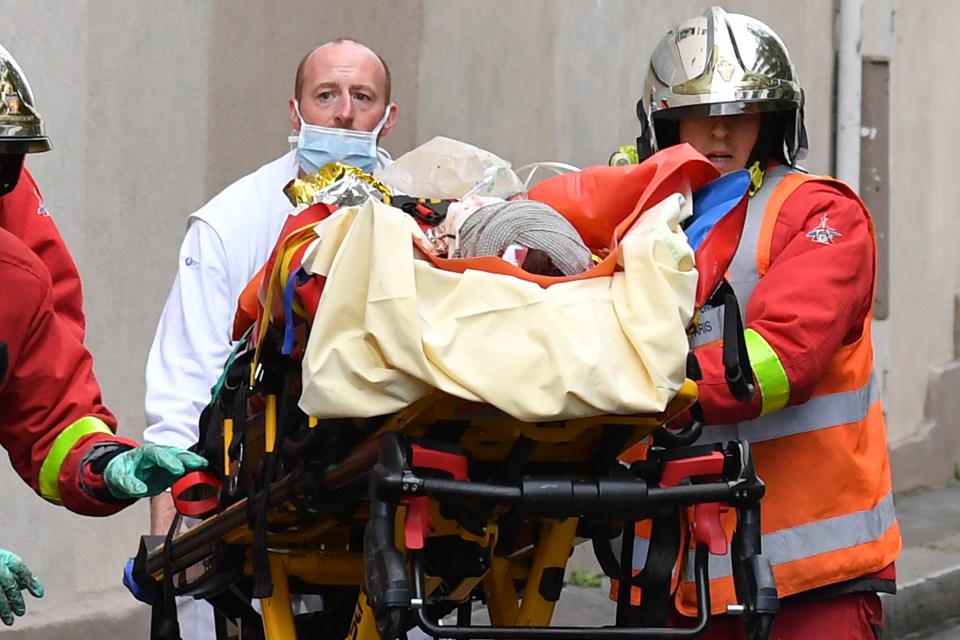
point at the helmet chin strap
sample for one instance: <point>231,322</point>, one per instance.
<point>10,166</point>
<point>770,140</point>
<point>644,145</point>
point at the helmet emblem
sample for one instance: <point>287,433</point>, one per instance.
<point>822,233</point>
<point>12,105</point>
<point>725,69</point>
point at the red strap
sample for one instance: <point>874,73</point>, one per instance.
<point>196,508</point>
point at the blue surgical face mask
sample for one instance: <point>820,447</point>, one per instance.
<point>318,146</point>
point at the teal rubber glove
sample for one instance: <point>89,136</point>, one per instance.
<point>14,578</point>
<point>148,470</point>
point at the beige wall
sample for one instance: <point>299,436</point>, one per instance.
<point>922,399</point>
<point>545,80</point>
<point>154,107</point>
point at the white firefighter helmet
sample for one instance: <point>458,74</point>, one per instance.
<point>722,64</point>
<point>21,127</point>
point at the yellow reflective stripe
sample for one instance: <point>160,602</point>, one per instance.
<point>50,469</point>
<point>770,374</point>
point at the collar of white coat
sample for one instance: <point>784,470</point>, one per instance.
<point>384,159</point>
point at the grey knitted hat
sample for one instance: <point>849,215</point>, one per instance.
<point>489,230</point>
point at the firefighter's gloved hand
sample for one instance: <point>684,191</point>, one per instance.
<point>141,593</point>
<point>15,576</point>
<point>148,470</point>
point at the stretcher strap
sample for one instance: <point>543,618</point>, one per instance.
<point>241,343</point>
<point>654,578</point>
<point>284,257</point>
<point>239,415</point>
<point>196,508</point>
<point>287,347</point>
<point>163,620</point>
<point>262,581</point>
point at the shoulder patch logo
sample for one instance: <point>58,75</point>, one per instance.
<point>42,210</point>
<point>822,233</point>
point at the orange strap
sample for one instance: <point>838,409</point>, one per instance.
<point>277,278</point>
<point>783,191</point>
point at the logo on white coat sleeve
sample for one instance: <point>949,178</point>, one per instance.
<point>823,233</point>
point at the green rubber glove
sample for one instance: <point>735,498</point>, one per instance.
<point>148,470</point>
<point>15,576</point>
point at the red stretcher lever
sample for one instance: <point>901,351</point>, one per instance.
<point>707,526</point>
<point>416,524</point>
<point>197,508</point>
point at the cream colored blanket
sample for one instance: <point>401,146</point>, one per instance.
<point>391,327</point>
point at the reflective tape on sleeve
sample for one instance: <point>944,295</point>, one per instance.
<point>50,469</point>
<point>769,372</point>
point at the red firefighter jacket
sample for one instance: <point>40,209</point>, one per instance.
<point>816,300</point>
<point>24,214</point>
<point>53,423</point>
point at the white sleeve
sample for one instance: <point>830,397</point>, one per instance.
<point>192,342</point>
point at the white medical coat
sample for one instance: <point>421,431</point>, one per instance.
<point>226,243</point>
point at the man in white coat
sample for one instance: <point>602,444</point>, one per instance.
<point>340,108</point>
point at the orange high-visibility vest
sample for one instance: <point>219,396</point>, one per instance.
<point>827,516</point>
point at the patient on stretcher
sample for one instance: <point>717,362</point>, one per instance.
<point>528,234</point>
<point>399,321</point>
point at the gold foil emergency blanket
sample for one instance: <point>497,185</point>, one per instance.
<point>338,184</point>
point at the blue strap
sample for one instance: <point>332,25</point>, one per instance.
<point>713,201</point>
<point>287,348</point>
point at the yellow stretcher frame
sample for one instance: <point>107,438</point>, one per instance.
<point>309,550</point>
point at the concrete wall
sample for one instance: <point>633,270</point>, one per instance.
<point>923,385</point>
<point>154,107</point>
<point>545,80</point>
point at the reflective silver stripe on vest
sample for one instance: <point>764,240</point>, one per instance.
<point>821,412</point>
<point>743,270</point>
<point>812,539</point>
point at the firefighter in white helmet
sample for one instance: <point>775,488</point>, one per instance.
<point>804,276</point>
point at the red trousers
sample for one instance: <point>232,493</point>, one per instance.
<point>855,616</point>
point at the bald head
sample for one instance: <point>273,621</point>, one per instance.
<point>339,49</point>
<point>345,85</point>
